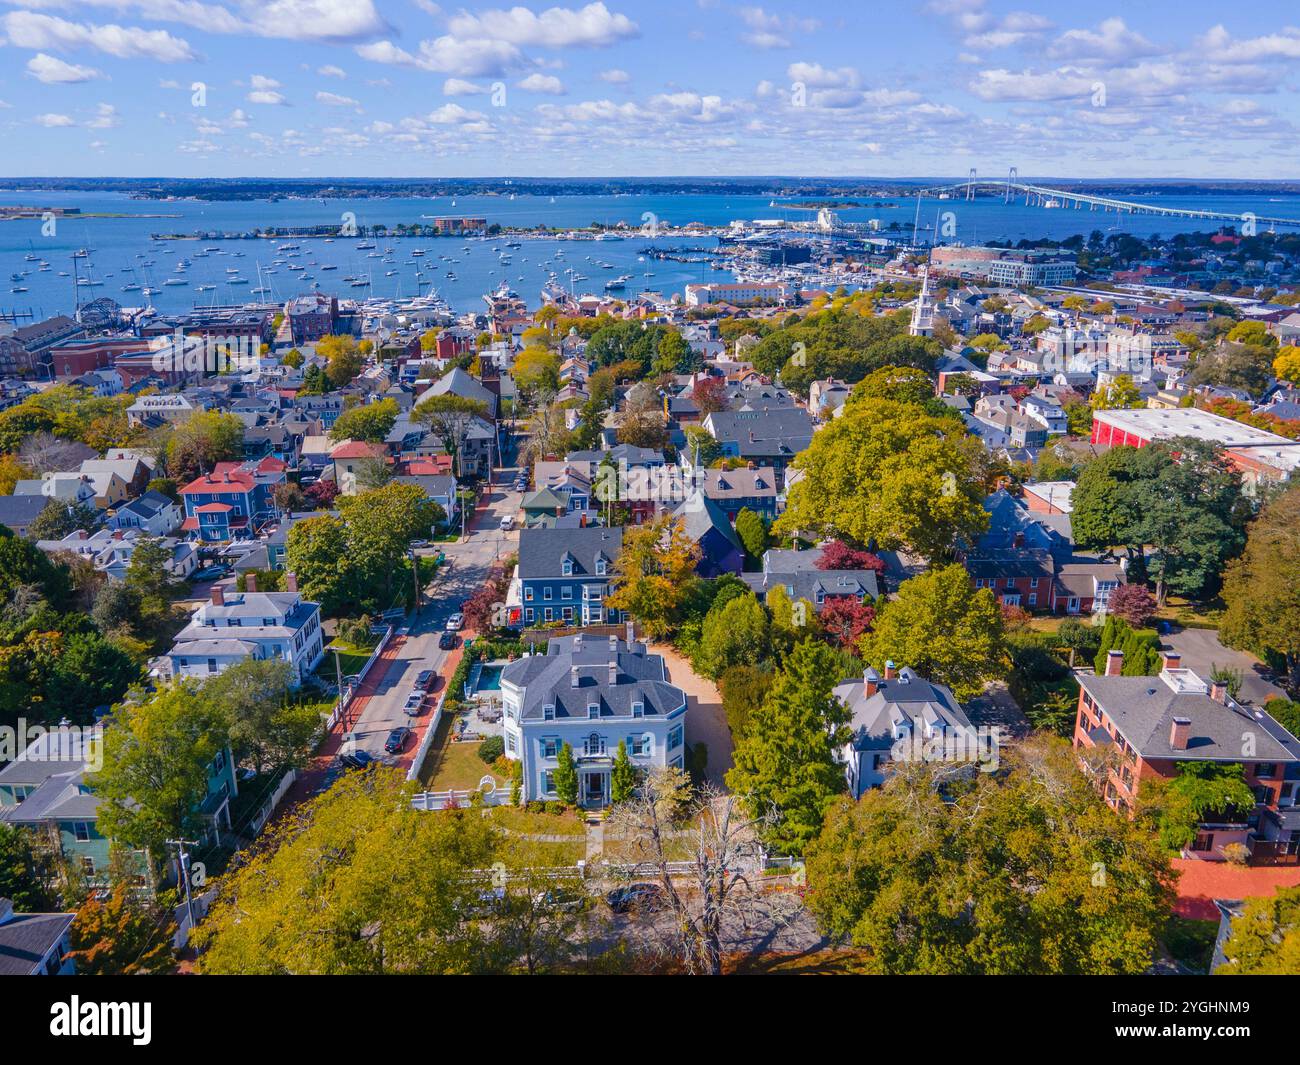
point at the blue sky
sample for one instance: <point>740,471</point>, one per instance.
<point>402,88</point>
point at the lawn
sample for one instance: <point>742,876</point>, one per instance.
<point>451,765</point>
<point>516,819</point>
<point>1190,614</point>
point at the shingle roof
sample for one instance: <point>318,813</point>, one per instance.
<point>541,551</point>
<point>26,938</point>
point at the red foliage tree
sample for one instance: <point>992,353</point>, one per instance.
<point>708,394</point>
<point>839,555</point>
<point>481,608</point>
<point>1133,603</point>
<point>322,493</point>
<point>844,619</point>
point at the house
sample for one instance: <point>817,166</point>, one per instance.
<point>45,789</point>
<point>826,397</point>
<point>70,488</point>
<point>1153,726</point>
<point>231,627</point>
<point>133,474</point>
<point>351,460</point>
<point>438,487</point>
<point>18,512</point>
<point>756,489</point>
<point>765,437</point>
<point>110,550</point>
<point>892,719</point>
<point>797,572</point>
<point>563,574</point>
<point>707,526</point>
<point>34,944</point>
<point>233,501</point>
<point>157,409</point>
<point>152,513</point>
<point>592,693</point>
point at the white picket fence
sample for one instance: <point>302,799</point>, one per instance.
<point>345,696</point>
<point>441,800</point>
<point>267,808</point>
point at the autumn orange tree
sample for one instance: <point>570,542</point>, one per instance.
<point>123,935</point>
<point>654,574</point>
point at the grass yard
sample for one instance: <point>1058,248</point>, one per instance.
<point>454,765</point>
<point>516,819</point>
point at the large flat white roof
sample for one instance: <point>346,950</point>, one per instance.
<point>1153,424</point>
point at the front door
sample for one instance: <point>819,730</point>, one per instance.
<point>595,789</point>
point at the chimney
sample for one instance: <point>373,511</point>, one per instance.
<point>250,582</point>
<point>1114,663</point>
<point>573,676</point>
<point>613,672</point>
<point>1180,731</point>
<point>870,682</point>
<point>630,631</point>
<point>1219,691</point>
<point>1172,659</point>
<point>291,582</point>
<point>891,670</point>
<point>218,595</point>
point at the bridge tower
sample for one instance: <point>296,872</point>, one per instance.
<point>970,185</point>
<point>1012,175</point>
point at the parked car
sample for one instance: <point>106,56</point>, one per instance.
<point>414,704</point>
<point>357,759</point>
<point>507,522</point>
<point>425,679</point>
<point>209,573</point>
<point>415,544</point>
<point>455,622</point>
<point>448,641</point>
<point>643,897</point>
<point>397,739</point>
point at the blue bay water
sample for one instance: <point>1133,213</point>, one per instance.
<point>116,244</point>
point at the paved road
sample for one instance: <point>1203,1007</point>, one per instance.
<point>467,566</point>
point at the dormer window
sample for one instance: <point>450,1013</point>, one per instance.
<point>593,711</point>
<point>548,712</point>
<point>638,709</point>
<point>566,567</point>
<point>600,567</point>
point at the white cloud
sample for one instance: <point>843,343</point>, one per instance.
<point>772,31</point>
<point>461,87</point>
<point>27,29</point>
<point>1219,45</point>
<point>105,117</point>
<point>52,121</point>
<point>332,99</point>
<point>556,27</point>
<point>264,90</point>
<point>819,77</point>
<point>331,71</point>
<point>542,83</point>
<point>1111,40</point>
<point>615,77</point>
<point>51,71</point>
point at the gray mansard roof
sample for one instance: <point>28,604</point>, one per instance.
<point>575,673</point>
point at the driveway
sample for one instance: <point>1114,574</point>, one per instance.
<point>705,721</point>
<point>1201,651</point>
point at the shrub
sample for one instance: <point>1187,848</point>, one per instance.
<point>491,749</point>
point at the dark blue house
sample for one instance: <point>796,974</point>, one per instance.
<point>564,576</point>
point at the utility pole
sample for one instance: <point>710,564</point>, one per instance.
<point>415,578</point>
<point>183,859</point>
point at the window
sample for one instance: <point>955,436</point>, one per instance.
<point>675,737</point>
<point>600,567</point>
<point>1033,582</point>
<point>528,613</point>
<point>1203,842</point>
<point>566,592</point>
<point>638,709</point>
<point>639,745</point>
<point>81,831</point>
<point>548,712</point>
<point>567,613</point>
<point>1011,582</point>
<point>594,744</point>
<point>528,593</point>
<point>593,711</point>
<point>546,593</point>
<point>548,782</point>
<point>550,746</point>
<point>212,665</point>
<point>1033,598</point>
<point>549,614</point>
<point>510,742</point>
<point>567,567</point>
<point>88,865</point>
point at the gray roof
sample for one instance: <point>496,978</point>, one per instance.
<point>541,551</point>
<point>699,514</point>
<point>629,453</point>
<point>26,938</point>
<point>797,572</point>
<point>460,383</point>
<point>738,484</point>
<point>20,511</point>
<point>548,680</point>
<point>765,432</point>
<point>1143,709</point>
<point>907,700</point>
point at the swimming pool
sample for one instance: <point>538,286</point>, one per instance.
<point>489,679</point>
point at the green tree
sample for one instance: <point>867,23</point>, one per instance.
<point>197,444</point>
<point>888,474</point>
<point>357,883</point>
<point>1023,871</point>
<point>565,776</point>
<point>157,757</point>
<point>1262,587</point>
<point>1265,939</point>
<point>943,629</point>
<point>21,879</point>
<point>623,778</point>
<point>742,687</point>
<point>450,417</point>
<point>371,422</point>
<point>1202,791</point>
<point>58,519</point>
<point>735,631</point>
<point>785,762</point>
<point>752,530</point>
<point>267,727</point>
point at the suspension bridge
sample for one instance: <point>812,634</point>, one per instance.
<point>1012,189</point>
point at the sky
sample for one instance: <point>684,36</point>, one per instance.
<point>409,88</point>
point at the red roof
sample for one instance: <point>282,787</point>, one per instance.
<point>356,449</point>
<point>213,508</point>
<point>230,479</point>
